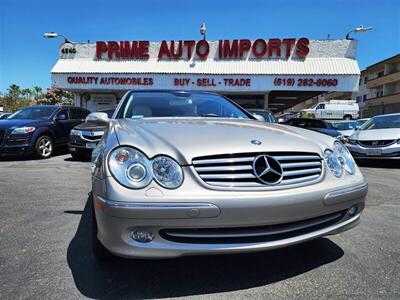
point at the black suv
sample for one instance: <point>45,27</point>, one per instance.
<point>39,129</point>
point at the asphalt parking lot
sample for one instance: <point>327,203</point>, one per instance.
<point>45,248</point>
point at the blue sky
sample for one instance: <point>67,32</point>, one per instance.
<point>26,58</point>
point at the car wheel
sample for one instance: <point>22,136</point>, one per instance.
<point>347,117</point>
<point>44,147</point>
<point>99,251</point>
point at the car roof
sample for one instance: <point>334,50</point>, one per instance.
<point>57,106</point>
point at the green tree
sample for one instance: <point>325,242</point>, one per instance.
<point>37,92</point>
<point>26,93</point>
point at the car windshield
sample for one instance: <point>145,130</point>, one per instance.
<point>359,123</point>
<point>382,122</point>
<point>33,113</point>
<point>180,104</point>
<point>345,125</point>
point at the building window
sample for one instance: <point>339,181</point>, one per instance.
<point>365,79</point>
<point>381,73</point>
<point>364,97</point>
<point>358,98</point>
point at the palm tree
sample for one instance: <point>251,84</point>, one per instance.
<point>26,93</point>
<point>14,92</point>
<point>38,91</point>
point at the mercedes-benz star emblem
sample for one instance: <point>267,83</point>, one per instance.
<point>267,169</point>
<point>256,142</point>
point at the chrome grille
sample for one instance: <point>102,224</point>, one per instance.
<point>236,170</point>
<point>378,143</point>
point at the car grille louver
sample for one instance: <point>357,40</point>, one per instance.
<point>236,170</point>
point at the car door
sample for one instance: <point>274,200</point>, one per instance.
<point>62,126</point>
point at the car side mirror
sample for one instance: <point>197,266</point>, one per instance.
<point>61,117</point>
<point>258,117</point>
<point>97,117</point>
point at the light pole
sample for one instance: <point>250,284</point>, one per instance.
<point>53,35</point>
<point>203,30</point>
<point>357,30</point>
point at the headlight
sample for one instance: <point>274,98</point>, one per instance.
<point>339,160</point>
<point>130,167</point>
<point>167,172</point>
<point>351,141</point>
<point>23,130</point>
<point>345,157</point>
<point>333,162</point>
<point>75,132</point>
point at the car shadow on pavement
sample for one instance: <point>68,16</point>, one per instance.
<point>197,275</point>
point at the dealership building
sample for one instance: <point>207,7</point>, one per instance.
<point>262,73</point>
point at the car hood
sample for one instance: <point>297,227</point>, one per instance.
<point>377,134</point>
<point>186,138</point>
<point>11,124</point>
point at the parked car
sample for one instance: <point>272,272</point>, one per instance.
<point>334,109</point>
<point>378,138</point>
<point>282,118</point>
<point>4,115</point>
<point>266,114</point>
<point>84,137</point>
<point>345,128</point>
<point>316,125</point>
<point>181,173</point>
<point>39,129</point>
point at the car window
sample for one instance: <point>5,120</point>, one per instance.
<point>382,122</point>
<point>33,113</point>
<point>63,112</point>
<point>78,114</point>
<point>345,125</point>
<point>321,106</point>
<point>170,104</point>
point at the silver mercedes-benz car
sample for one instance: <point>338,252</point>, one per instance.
<point>181,173</point>
<point>378,138</point>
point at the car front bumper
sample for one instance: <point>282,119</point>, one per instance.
<point>361,152</point>
<point>280,210</point>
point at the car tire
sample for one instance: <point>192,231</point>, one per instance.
<point>44,147</point>
<point>99,251</point>
<point>347,117</point>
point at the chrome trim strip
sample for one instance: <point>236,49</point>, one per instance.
<point>301,164</point>
<point>154,205</point>
<point>222,160</point>
<point>227,176</point>
<point>301,172</point>
<point>301,179</point>
<point>348,190</point>
<point>235,184</point>
<point>224,168</point>
<point>297,157</point>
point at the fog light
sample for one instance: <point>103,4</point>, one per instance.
<point>142,236</point>
<point>352,210</point>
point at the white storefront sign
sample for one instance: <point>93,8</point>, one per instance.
<point>217,83</point>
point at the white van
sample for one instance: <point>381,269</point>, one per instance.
<point>334,109</point>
